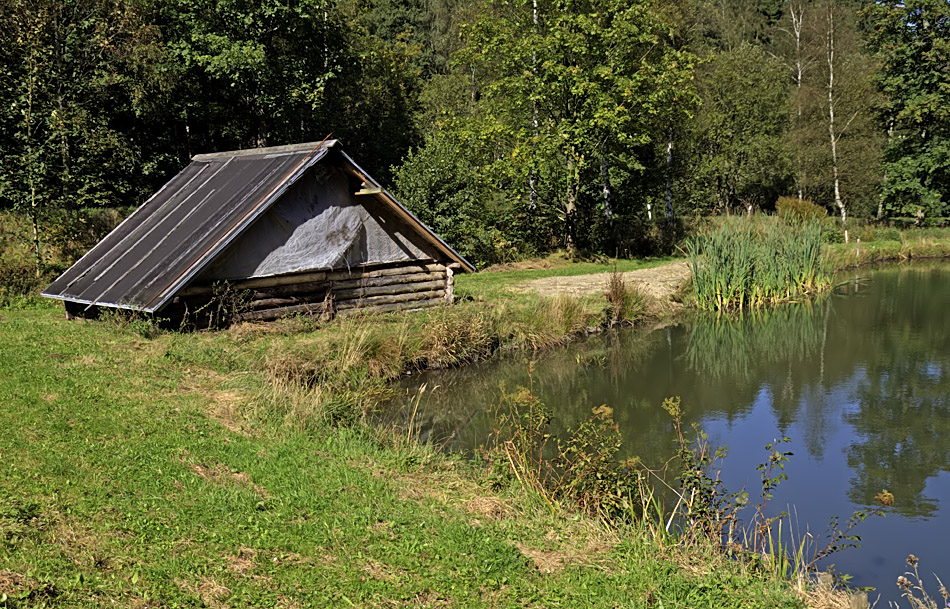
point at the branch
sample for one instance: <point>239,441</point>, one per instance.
<point>845,128</point>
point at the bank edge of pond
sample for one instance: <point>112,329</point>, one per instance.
<point>845,256</point>
<point>297,383</point>
<point>196,487</point>
<point>841,257</point>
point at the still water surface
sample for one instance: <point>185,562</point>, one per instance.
<point>860,382</point>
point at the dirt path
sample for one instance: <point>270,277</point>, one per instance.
<point>661,282</point>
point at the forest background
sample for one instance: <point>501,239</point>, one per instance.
<point>512,127</point>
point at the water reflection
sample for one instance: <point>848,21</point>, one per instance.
<point>858,379</point>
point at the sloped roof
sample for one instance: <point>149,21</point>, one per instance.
<point>167,241</point>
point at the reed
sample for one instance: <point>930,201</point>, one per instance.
<point>743,264</point>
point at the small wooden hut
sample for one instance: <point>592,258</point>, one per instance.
<point>289,230</point>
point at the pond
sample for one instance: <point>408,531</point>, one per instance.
<point>859,380</point>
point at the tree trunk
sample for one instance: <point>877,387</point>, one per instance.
<point>799,75</point>
<point>532,179</point>
<point>669,175</point>
<point>34,222</point>
<point>570,208</point>
<point>831,120</point>
<point>32,81</point>
<point>880,199</point>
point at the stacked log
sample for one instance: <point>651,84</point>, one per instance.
<point>392,288</point>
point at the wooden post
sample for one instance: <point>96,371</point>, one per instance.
<point>450,282</point>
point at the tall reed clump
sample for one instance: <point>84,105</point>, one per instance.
<point>748,264</point>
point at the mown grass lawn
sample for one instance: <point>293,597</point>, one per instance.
<point>497,283</point>
<point>147,472</point>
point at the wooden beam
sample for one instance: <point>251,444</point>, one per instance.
<point>410,266</point>
<point>268,314</point>
<point>402,306</point>
<point>358,303</point>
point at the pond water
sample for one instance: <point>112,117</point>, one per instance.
<point>859,380</point>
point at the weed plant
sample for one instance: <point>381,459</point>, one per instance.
<point>750,264</point>
<point>579,472</point>
<point>912,589</point>
<point>799,211</point>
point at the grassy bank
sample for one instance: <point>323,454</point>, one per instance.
<point>873,246</point>
<point>232,468</point>
<point>176,470</point>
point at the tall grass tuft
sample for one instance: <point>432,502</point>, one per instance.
<point>624,303</point>
<point>743,264</point>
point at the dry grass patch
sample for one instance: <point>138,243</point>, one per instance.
<point>284,602</point>
<point>593,551</point>
<point>244,562</point>
<point>545,561</point>
<point>444,488</point>
<point>819,596</point>
<point>489,508</point>
<point>248,330</point>
<point>429,598</point>
<point>383,572</point>
<point>211,593</point>
<point>12,583</point>
<point>222,474</point>
<point>79,541</point>
<point>225,409</point>
<point>223,405</point>
<point>89,360</point>
<point>383,528</point>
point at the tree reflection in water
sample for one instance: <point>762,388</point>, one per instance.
<point>872,357</point>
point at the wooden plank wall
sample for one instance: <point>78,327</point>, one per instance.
<point>391,288</point>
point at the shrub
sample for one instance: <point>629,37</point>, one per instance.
<point>580,471</point>
<point>794,210</point>
<point>17,279</point>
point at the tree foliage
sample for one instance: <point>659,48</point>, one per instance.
<point>512,126</point>
<point>911,42</point>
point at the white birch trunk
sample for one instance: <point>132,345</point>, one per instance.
<point>831,120</point>
<point>799,75</point>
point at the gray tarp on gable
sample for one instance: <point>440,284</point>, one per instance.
<point>189,224</point>
<point>319,224</point>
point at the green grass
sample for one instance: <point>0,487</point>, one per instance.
<point>160,472</point>
<point>232,468</point>
<point>883,245</point>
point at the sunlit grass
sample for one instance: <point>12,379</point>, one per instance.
<point>171,470</point>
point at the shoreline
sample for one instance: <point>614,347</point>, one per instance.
<point>248,445</point>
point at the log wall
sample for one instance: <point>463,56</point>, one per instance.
<point>326,293</point>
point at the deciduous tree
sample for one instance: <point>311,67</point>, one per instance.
<point>911,42</point>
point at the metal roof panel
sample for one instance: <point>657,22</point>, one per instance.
<point>168,239</point>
